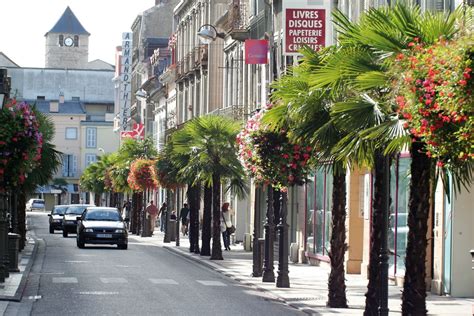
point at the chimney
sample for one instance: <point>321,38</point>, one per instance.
<point>61,98</point>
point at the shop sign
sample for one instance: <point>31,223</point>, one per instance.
<point>125,76</point>
<point>306,23</point>
<point>138,132</point>
<point>256,52</point>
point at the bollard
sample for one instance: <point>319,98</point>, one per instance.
<point>172,229</point>
<point>13,249</point>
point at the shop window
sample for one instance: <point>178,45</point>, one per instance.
<point>398,225</point>
<point>318,212</point>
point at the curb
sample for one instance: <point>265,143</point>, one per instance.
<point>31,255</point>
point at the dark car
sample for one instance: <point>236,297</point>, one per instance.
<point>56,218</point>
<point>103,226</point>
<point>70,218</point>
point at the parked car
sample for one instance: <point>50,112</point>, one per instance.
<point>35,205</point>
<point>101,225</point>
<point>56,218</point>
<point>69,223</point>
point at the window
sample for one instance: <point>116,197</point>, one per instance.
<point>76,98</point>
<point>318,212</point>
<point>398,225</point>
<point>76,41</point>
<point>69,165</point>
<point>61,40</point>
<point>71,133</point>
<point>90,159</point>
<point>91,137</point>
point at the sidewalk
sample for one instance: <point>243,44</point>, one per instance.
<point>308,284</point>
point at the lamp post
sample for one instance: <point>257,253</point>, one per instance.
<point>257,257</point>
<point>207,33</point>
<point>268,274</point>
<point>283,280</point>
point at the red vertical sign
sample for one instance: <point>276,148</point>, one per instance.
<point>256,52</point>
<point>304,26</point>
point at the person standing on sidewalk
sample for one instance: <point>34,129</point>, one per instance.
<point>152,211</point>
<point>226,223</point>
<point>183,217</point>
<point>162,213</point>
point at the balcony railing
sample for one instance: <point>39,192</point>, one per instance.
<point>236,112</point>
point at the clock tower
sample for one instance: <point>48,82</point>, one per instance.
<point>67,43</point>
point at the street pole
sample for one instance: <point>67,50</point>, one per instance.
<point>268,274</point>
<point>3,236</point>
<point>257,256</point>
<point>283,280</point>
<point>144,232</point>
<point>383,262</point>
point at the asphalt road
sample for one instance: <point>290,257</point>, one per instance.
<point>143,280</point>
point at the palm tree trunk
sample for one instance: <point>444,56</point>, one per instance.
<point>371,296</point>
<point>206,222</point>
<point>414,287</point>
<point>193,198</point>
<point>216,218</point>
<point>336,283</point>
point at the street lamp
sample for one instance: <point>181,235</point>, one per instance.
<point>207,33</point>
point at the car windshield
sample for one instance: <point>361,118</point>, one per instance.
<point>60,210</point>
<point>102,215</point>
<point>78,210</point>
<point>38,202</point>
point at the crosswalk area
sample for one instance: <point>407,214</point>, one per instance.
<point>112,280</point>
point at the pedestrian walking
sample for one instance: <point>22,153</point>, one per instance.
<point>184,216</point>
<point>152,211</point>
<point>127,206</point>
<point>227,228</point>
<point>162,214</point>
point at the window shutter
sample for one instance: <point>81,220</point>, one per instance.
<point>74,165</point>
<point>64,162</point>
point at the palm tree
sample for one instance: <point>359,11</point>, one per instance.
<point>357,72</point>
<point>209,142</point>
<point>373,42</point>
<point>307,117</point>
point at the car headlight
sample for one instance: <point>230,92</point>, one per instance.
<point>120,230</point>
<point>88,230</point>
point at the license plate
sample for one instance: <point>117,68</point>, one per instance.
<point>104,235</point>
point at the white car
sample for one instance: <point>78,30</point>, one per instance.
<point>35,205</point>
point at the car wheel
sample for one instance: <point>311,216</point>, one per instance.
<point>64,233</point>
<point>79,244</point>
<point>51,229</point>
<point>124,246</point>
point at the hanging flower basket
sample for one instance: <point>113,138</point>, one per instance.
<point>434,96</point>
<point>269,156</point>
<point>21,143</point>
<point>142,175</point>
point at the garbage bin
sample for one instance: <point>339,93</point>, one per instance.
<point>172,229</point>
<point>13,249</point>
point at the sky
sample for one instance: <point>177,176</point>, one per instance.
<point>23,24</point>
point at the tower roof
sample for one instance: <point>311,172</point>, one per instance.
<point>68,23</point>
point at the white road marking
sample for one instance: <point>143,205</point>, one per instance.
<point>65,280</point>
<point>98,293</point>
<point>113,280</point>
<point>36,297</point>
<point>76,261</point>
<point>211,283</point>
<point>163,281</point>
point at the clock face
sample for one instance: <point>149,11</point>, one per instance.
<point>68,42</point>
